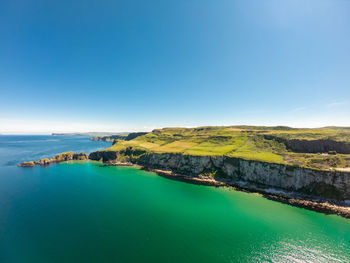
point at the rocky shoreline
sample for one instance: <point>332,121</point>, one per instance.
<point>323,205</point>
<point>298,200</point>
<point>62,157</point>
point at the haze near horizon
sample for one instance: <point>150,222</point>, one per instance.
<point>134,65</point>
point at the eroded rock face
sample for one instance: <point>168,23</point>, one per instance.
<point>318,146</point>
<point>327,184</point>
<point>313,146</point>
<point>44,161</point>
<point>26,164</point>
<point>62,157</point>
<point>103,156</point>
<point>80,156</point>
<point>133,135</point>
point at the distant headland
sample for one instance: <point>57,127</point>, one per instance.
<point>90,134</point>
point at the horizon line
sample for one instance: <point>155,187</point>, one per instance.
<point>144,130</point>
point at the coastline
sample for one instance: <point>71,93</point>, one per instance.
<point>325,206</point>
<point>322,207</point>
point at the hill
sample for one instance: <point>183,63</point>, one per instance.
<point>322,148</point>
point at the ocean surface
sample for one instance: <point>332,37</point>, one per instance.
<point>87,212</point>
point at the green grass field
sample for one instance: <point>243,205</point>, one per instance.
<point>266,144</point>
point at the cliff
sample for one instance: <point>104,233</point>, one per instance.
<point>294,164</point>
<point>313,162</point>
<point>124,137</point>
<point>313,146</point>
<point>333,185</point>
<point>109,138</point>
<point>322,148</point>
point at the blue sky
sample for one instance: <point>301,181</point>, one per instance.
<point>137,65</point>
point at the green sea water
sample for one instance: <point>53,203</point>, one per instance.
<point>86,212</point>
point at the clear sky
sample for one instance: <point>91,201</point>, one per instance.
<point>132,65</point>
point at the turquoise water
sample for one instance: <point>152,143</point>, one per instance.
<point>86,212</point>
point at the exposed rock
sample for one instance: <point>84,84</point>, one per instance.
<point>113,138</point>
<point>80,156</point>
<point>313,146</point>
<point>133,135</point>
<point>62,157</point>
<point>103,156</point>
<point>26,164</point>
<point>333,185</point>
<point>109,138</point>
<point>69,156</point>
<point>44,161</point>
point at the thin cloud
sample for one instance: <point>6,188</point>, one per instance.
<point>336,104</point>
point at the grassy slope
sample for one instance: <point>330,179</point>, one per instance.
<point>246,142</point>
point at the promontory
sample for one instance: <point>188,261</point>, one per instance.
<point>293,165</point>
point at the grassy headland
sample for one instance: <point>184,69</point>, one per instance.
<point>119,136</point>
<point>322,148</point>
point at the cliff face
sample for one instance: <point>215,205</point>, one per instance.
<point>109,138</point>
<point>318,146</point>
<point>133,135</point>
<point>327,184</point>
<point>103,156</point>
<point>112,138</point>
<point>313,146</point>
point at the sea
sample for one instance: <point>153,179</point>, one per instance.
<point>87,212</point>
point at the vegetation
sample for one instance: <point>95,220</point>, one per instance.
<point>122,136</point>
<point>268,144</point>
<point>109,138</point>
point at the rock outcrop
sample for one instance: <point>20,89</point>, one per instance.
<point>109,138</point>
<point>104,156</point>
<point>62,157</point>
<point>112,138</point>
<point>313,146</point>
<point>318,146</point>
<point>324,184</point>
<point>26,164</point>
<point>133,135</point>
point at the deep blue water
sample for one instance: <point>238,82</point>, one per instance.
<point>88,212</point>
<point>15,149</point>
